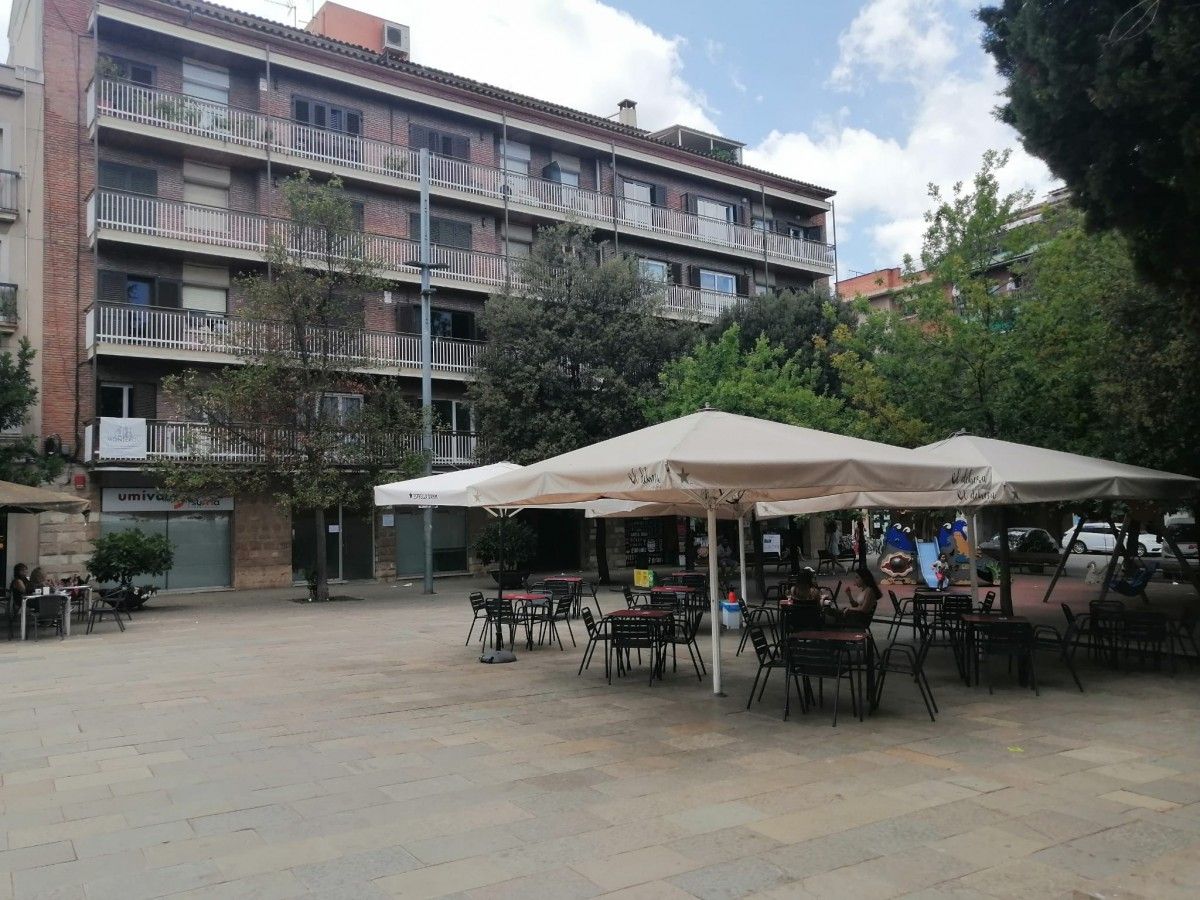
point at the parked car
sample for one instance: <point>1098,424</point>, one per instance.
<point>1024,540</point>
<point>1097,537</point>
<point>1184,534</point>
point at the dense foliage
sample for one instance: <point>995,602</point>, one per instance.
<point>307,451</point>
<point>1106,92</point>
<point>511,538</point>
<point>21,459</point>
<point>122,556</point>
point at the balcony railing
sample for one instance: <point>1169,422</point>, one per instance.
<point>697,305</point>
<point>8,304</point>
<point>181,330</point>
<point>10,202</point>
<point>201,118</point>
<point>200,442</point>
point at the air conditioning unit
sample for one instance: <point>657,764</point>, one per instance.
<point>395,38</point>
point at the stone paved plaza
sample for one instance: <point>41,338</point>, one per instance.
<point>239,745</point>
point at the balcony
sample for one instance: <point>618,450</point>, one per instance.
<point>695,305</point>
<point>200,442</point>
<point>10,202</point>
<point>142,109</point>
<point>8,307</point>
<point>179,334</point>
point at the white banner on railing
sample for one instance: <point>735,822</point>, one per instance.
<point>122,438</point>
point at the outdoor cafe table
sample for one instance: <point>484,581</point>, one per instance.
<point>660,617</point>
<point>847,638</point>
<point>575,583</point>
<point>61,598</point>
<point>975,623</point>
<point>527,599</point>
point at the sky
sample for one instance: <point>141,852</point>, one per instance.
<point>874,99</point>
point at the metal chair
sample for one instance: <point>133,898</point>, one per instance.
<point>103,605</point>
<point>903,659</point>
<point>754,617</point>
<point>1014,640</point>
<point>47,611</point>
<point>478,611</point>
<point>768,659</point>
<point>597,633</point>
<point>807,660</point>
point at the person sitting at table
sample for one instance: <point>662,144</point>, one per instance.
<point>20,580</point>
<point>38,579</point>
<point>862,597</point>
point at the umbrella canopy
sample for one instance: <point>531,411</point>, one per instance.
<point>21,498</point>
<point>712,458</point>
<point>991,472</point>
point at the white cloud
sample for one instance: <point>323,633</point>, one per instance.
<point>881,182</point>
<point>894,40</point>
<point>580,53</point>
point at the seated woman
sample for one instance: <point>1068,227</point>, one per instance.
<point>38,579</point>
<point>20,581</point>
<point>862,597</point>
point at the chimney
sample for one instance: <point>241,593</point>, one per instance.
<point>627,113</point>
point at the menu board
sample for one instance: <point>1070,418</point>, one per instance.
<point>644,543</point>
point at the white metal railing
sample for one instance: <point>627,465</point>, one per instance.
<point>216,227</point>
<point>696,304</point>
<point>199,442</point>
<point>239,127</point>
<point>181,330</point>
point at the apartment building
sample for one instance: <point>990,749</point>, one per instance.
<point>168,127</point>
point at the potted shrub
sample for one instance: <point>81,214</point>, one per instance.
<point>122,556</point>
<point>510,543</point>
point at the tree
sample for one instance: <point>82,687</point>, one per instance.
<point>947,360</point>
<point>572,352</point>
<point>1106,93</point>
<point>124,555</point>
<point>798,322</point>
<point>276,409</point>
<point>20,459</point>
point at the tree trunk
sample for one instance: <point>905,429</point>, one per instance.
<point>1006,601</point>
<point>760,579</point>
<point>689,547</point>
<point>794,548</point>
<point>602,575</point>
<point>322,566</point>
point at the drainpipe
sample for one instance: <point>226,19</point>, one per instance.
<point>616,228</point>
<point>833,221</point>
<point>504,191</point>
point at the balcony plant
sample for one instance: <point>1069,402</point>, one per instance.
<point>395,163</point>
<point>178,109</point>
<point>512,545</point>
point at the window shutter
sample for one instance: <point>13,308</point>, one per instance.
<point>743,285</point>
<point>143,404</point>
<point>112,176</point>
<point>553,172</point>
<point>414,226</point>
<point>358,213</point>
<point>689,202</point>
<point>141,74</point>
<point>676,273</point>
<point>301,111</point>
<point>693,276</point>
<point>460,147</point>
<point>658,194</point>
<point>143,181</point>
<point>353,123</point>
<point>741,215</point>
<point>418,136</point>
<point>170,293</point>
<point>456,234</point>
<point>111,287</point>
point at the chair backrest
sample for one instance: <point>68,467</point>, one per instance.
<point>1069,613</point>
<point>477,602</point>
<point>988,599</point>
<point>1146,624</point>
<point>1106,608</point>
<point>664,601</point>
<point>562,605</point>
<point>630,632</point>
<point>801,615</point>
<point>956,605</point>
<point>895,601</point>
<point>1008,634</point>
<point>815,658</point>
<point>588,621</point>
<point>762,649</point>
<point>629,598</point>
<point>837,590</point>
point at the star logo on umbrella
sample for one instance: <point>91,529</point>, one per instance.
<point>683,476</point>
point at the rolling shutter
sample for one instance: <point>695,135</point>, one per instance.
<point>743,285</point>
<point>111,287</point>
<point>460,147</point>
<point>676,273</point>
<point>170,293</point>
<point>658,194</point>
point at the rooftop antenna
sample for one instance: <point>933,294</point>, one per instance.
<point>290,12</point>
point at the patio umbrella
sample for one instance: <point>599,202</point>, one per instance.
<point>711,460</point>
<point>453,489</point>
<point>21,498</point>
<point>991,472</point>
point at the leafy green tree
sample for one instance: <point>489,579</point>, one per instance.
<point>1106,93</point>
<point>275,408</point>
<point>122,556</point>
<point>20,459</point>
<point>799,322</point>
<point>763,381</point>
<point>946,360</point>
<point>571,354</point>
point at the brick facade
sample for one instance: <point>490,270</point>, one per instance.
<point>262,543</point>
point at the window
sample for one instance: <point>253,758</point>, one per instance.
<point>455,415</point>
<point>443,232</point>
<point>127,69</point>
<point>205,185</point>
<point>342,408</point>
<point>714,209</point>
<point>758,223</point>
<point>326,116</point>
<point>519,249</point>
<point>515,157</point>
<point>130,179</point>
<point>720,282</point>
<point>138,290</point>
<point>638,191</point>
<point>440,142</point>
<point>570,179</point>
<point>114,400</point>
<point>452,323</point>
<point>206,82</point>
<point>205,289</point>
<point>654,270</point>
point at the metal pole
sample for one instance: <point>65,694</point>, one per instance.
<point>766,225</point>
<point>714,600</point>
<point>505,191</point>
<point>426,363</point>
<point>1062,561</point>
<point>742,551</point>
<point>972,555</point>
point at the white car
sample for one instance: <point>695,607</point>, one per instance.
<point>1097,537</point>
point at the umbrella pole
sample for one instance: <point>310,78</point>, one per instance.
<point>972,558</point>
<point>714,602</point>
<point>742,552</point>
<point>1006,600</point>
